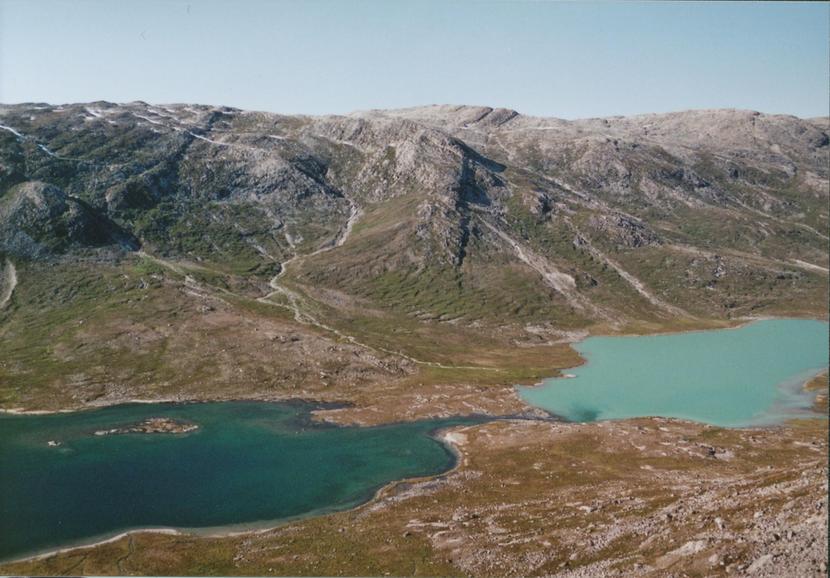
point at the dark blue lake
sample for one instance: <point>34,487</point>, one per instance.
<point>248,462</point>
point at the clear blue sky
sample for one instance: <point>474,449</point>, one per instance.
<point>571,60</point>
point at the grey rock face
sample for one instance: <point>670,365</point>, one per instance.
<point>37,219</point>
<point>623,230</point>
<point>441,189</point>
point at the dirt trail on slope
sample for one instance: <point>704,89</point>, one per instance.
<point>9,282</point>
<point>295,300</point>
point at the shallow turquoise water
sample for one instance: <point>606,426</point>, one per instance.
<point>247,462</point>
<point>747,376</point>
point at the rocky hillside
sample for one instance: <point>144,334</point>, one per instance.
<point>462,214</point>
<point>387,228</point>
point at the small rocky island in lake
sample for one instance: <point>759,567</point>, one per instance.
<point>152,425</point>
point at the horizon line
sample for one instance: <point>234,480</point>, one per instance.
<point>414,107</point>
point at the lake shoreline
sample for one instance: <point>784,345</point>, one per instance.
<point>718,325</point>
<point>175,401</point>
<point>730,324</point>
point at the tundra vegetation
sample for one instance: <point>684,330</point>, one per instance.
<point>420,263</point>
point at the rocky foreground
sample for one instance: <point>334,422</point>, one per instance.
<point>647,497</point>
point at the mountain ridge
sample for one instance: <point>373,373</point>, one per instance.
<point>35,104</point>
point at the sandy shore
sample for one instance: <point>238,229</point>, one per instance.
<point>42,555</point>
<point>21,411</point>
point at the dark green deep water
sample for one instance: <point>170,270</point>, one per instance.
<point>249,462</point>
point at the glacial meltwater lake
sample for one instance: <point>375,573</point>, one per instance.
<point>751,375</point>
<point>248,462</point>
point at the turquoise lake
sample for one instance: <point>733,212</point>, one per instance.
<point>751,375</point>
<point>248,462</point>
